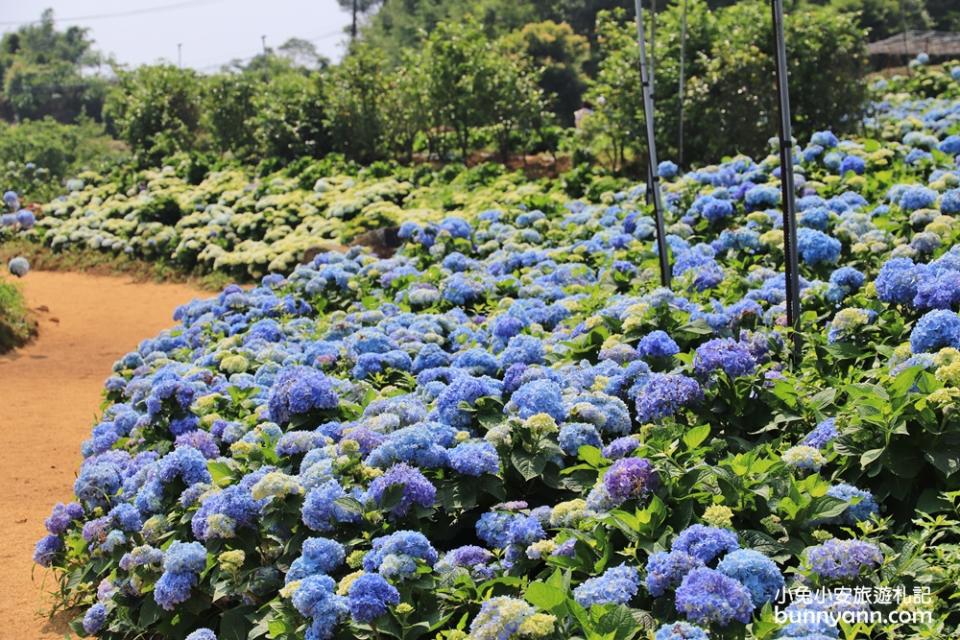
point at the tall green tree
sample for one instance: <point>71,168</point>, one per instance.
<point>228,109</point>
<point>459,70</point>
<point>615,127</point>
<point>560,55</point>
<point>404,106</point>
<point>353,117</point>
<point>47,72</point>
<point>289,117</point>
<point>156,110</point>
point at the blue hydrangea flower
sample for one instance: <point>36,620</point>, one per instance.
<point>667,169</point>
<point>94,619</point>
<point>468,389</point>
<point>657,344</point>
<point>475,459</point>
<point>897,281</point>
<point>369,597</point>
<point>707,596</point>
<point>46,550</point>
<point>705,543</point>
<point>18,266</point>
<point>539,396</point>
<point>524,530</point>
<point>475,560</point>
<point>950,201</point>
<point>664,394</point>
<point>574,435</point>
<point>233,507</point>
<point>492,527</point>
<point>183,557</point>
<point>522,349</point>
<point>394,556</point>
<point>680,631</point>
<point>316,599</point>
<point>935,330</point>
<point>824,139</point>
<point>862,510</point>
<point>318,555</point>
<point>917,197</point>
<point>762,197</point>
<point>621,447</point>
<point>822,434</point>
<point>298,391</point>
<point>816,247</point>
<point>62,516</point>
<point>320,509</point>
<point>665,571</point>
<point>202,634</point>
<point>617,585</point>
<point>726,354</point>
<point>755,571</point>
<point>855,164</point>
<point>173,588</point>
<point>940,291</point>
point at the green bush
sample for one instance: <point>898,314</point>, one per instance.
<point>37,155</point>
<point>15,324</point>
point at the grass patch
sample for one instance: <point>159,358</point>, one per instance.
<point>17,325</point>
<point>43,258</point>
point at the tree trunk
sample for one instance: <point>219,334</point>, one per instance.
<point>353,25</point>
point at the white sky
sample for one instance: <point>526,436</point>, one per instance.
<point>213,32</point>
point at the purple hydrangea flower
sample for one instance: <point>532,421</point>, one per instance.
<point>630,478</point>
<point>843,559</point>
<point>415,489</point>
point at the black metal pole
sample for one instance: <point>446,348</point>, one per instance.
<point>653,177</point>
<point>791,261</point>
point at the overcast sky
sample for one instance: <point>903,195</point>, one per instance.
<point>212,32</point>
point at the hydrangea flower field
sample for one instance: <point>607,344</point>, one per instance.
<point>508,430</point>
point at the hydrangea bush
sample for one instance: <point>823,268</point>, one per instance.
<point>507,430</point>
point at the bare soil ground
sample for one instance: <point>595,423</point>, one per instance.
<point>50,395</point>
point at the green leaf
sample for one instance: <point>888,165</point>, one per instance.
<point>234,624</point>
<point>349,504</point>
<point>527,465</point>
<point>826,507</point>
<point>615,622</point>
<point>544,596</point>
<point>869,457</point>
<point>591,455</point>
<point>786,392</point>
<point>149,613</point>
<point>220,472</point>
<point>695,436</point>
<point>947,461</point>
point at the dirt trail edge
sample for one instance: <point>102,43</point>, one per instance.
<point>50,394</point>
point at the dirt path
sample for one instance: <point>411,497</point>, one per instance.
<point>49,397</point>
